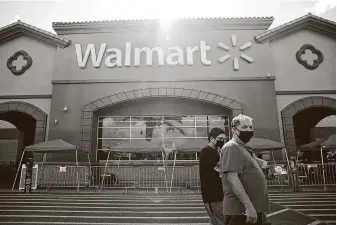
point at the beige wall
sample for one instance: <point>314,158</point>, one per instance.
<point>284,100</point>
<point>67,68</point>
<point>292,76</point>
<point>258,98</point>
<point>37,79</point>
<point>43,104</point>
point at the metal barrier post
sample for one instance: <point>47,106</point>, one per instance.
<point>323,168</point>
<point>78,182</point>
<point>106,164</point>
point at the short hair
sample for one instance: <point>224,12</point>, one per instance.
<point>215,132</point>
<point>236,120</point>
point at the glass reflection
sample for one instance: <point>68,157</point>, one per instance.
<point>161,130</point>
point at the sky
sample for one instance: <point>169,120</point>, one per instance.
<point>41,13</point>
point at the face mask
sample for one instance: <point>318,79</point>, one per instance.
<point>245,136</point>
<point>219,144</point>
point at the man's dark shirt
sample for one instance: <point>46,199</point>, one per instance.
<point>211,186</point>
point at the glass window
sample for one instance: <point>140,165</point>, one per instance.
<point>114,122</point>
<point>165,130</point>
<point>111,132</point>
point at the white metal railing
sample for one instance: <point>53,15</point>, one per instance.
<point>316,174</point>
<point>187,176</point>
<point>62,176</point>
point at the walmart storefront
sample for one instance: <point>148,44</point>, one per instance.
<point>100,84</point>
<point>129,82</point>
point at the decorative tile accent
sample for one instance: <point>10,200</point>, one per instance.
<point>39,138</point>
<point>298,106</point>
<point>178,92</point>
<point>162,92</point>
<point>226,102</point>
<point>290,134</point>
<point>86,115</point>
<point>22,107</point>
<point>86,136</point>
<point>317,101</point>
<point>218,99</point>
<point>309,57</point>
<point>170,91</point>
<point>106,101</point>
<point>40,123</point>
<point>291,141</point>
<point>202,95</point>
<point>86,144</point>
<point>210,97</point>
<point>138,93</point>
<point>290,111</point>
<point>235,105</point>
<point>30,110</point>
<point>307,102</point>
<point>4,107</point>
<point>195,94</point>
<point>38,115</point>
<point>17,67</point>
<point>90,107</point>
<point>187,93</point>
<point>288,120</point>
<point>114,98</point>
<point>154,91</point>
<point>289,127</point>
<point>86,129</point>
<point>327,102</point>
<point>39,130</point>
<point>146,92</point>
<point>122,96</point>
<point>86,122</point>
<point>130,95</point>
<point>13,105</point>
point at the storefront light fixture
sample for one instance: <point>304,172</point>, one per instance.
<point>56,121</point>
<point>65,109</point>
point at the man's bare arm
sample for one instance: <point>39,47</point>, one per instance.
<point>238,189</point>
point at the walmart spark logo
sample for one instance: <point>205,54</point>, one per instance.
<point>245,57</point>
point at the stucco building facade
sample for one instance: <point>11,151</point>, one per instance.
<point>68,85</point>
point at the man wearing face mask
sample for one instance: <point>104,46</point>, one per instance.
<point>211,187</point>
<point>244,185</point>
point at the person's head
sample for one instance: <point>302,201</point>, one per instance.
<point>216,137</point>
<point>242,127</point>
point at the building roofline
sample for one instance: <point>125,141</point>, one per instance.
<point>20,28</point>
<point>308,21</point>
<point>259,23</point>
